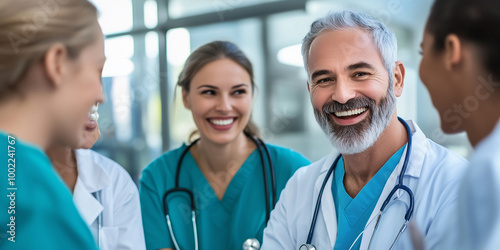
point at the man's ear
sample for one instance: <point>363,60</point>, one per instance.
<point>185,99</point>
<point>398,76</point>
<point>55,64</point>
<point>452,51</point>
<point>308,87</point>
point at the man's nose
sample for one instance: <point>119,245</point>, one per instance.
<point>342,92</point>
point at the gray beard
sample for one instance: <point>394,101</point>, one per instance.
<point>357,138</point>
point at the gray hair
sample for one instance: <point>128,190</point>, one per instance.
<point>384,38</point>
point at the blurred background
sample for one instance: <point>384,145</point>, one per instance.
<point>147,42</point>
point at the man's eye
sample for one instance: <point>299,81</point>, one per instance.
<point>360,74</point>
<point>324,80</point>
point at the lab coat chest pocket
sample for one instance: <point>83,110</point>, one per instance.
<point>109,237</point>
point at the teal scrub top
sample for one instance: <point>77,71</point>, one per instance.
<point>36,207</point>
<point>353,214</point>
<point>222,224</point>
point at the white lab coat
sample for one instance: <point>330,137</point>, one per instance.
<point>479,199</point>
<point>119,203</point>
<point>433,174</point>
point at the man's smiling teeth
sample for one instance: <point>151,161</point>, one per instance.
<point>350,112</point>
<point>221,122</point>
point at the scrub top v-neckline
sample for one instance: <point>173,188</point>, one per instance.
<point>353,213</point>
<point>235,186</point>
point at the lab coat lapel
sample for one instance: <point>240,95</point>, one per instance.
<point>88,206</point>
<point>91,178</point>
<point>414,169</point>
<point>327,209</point>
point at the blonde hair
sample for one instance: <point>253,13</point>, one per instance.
<point>28,28</point>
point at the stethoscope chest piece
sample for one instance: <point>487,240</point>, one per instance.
<point>251,244</point>
<point>307,247</point>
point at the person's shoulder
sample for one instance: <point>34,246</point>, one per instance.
<point>442,168</point>
<point>313,170</point>
<point>165,162</point>
<point>487,151</point>
<point>444,157</point>
<point>300,187</point>
<point>286,161</point>
<point>287,154</point>
<point>118,175</point>
<point>103,161</point>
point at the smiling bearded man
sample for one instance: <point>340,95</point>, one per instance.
<point>356,138</point>
<point>353,80</point>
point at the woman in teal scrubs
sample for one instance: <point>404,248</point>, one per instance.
<point>51,57</point>
<point>223,169</point>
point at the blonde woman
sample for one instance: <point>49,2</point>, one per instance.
<point>51,59</point>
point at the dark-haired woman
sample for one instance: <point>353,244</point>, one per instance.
<point>227,170</point>
<point>461,69</point>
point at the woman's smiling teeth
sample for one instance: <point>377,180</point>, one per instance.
<point>93,115</point>
<point>221,122</point>
<point>350,112</point>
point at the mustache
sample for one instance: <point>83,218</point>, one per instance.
<point>354,103</point>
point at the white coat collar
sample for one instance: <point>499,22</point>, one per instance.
<point>91,178</point>
<point>417,156</point>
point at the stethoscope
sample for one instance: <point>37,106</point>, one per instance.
<point>399,185</point>
<point>251,243</point>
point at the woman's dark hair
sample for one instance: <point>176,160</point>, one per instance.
<point>211,52</point>
<point>474,21</point>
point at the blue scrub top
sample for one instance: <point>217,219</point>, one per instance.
<point>222,224</point>
<point>42,209</point>
<point>353,214</point>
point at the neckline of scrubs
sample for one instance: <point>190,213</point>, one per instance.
<point>368,196</point>
<point>353,213</point>
<point>29,148</point>
<point>235,186</point>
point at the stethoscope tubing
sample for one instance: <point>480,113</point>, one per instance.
<point>260,144</point>
<point>398,186</point>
